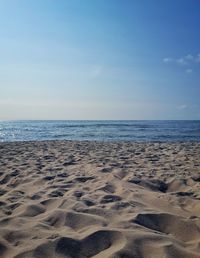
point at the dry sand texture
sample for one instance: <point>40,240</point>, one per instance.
<point>89,199</point>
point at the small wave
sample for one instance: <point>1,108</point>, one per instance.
<point>101,130</point>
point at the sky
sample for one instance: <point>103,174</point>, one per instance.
<point>99,59</point>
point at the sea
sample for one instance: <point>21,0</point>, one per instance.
<point>108,130</point>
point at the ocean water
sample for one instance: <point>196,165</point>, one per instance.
<point>100,130</point>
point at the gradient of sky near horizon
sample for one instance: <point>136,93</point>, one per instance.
<point>99,59</point>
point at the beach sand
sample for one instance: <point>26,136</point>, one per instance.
<point>98,199</point>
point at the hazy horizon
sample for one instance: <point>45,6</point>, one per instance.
<point>99,60</point>
<point>119,119</point>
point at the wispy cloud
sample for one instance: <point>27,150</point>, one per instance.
<point>182,61</point>
<point>188,71</point>
<point>167,60</point>
<point>188,61</point>
<point>182,107</point>
<point>198,58</point>
<point>189,57</point>
<point>190,109</point>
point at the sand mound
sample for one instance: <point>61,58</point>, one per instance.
<point>33,210</point>
<point>170,224</point>
<point>90,246</point>
<point>73,220</point>
<point>3,249</point>
<point>154,185</point>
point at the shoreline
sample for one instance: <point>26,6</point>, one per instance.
<point>102,141</point>
<point>63,198</point>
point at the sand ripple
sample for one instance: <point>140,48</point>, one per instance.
<point>88,199</point>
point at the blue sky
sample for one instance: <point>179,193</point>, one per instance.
<point>99,59</point>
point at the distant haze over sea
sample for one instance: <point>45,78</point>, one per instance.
<point>108,130</point>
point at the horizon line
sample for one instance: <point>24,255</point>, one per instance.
<point>18,120</point>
